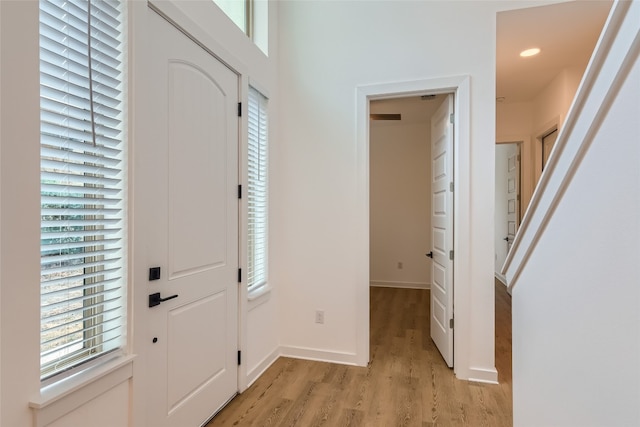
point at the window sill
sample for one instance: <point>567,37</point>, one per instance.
<point>259,296</point>
<point>66,395</point>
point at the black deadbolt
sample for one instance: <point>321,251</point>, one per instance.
<point>154,273</point>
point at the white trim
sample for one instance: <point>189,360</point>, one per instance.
<point>257,85</point>
<point>461,87</point>
<point>258,296</point>
<point>261,367</point>
<point>511,139</point>
<point>547,128</point>
<point>191,18</point>
<point>320,355</point>
<point>261,295</point>
<point>503,280</point>
<point>394,284</point>
<point>615,52</point>
<point>488,376</point>
<point>538,136</point>
<point>65,396</point>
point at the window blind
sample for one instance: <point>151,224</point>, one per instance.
<point>257,194</point>
<point>82,182</point>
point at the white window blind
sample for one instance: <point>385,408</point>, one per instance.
<point>257,194</point>
<point>82,182</point>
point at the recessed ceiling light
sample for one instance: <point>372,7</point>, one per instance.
<point>530,52</point>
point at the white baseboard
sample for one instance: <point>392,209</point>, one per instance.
<point>407,285</point>
<point>501,278</point>
<point>262,366</point>
<point>489,376</point>
<point>319,355</point>
<point>481,375</point>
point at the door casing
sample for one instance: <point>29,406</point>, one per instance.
<point>460,87</point>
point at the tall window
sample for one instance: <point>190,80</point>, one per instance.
<point>257,194</point>
<point>82,182</point>
<point>239,11</point>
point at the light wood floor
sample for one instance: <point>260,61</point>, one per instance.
<point>406,384</point>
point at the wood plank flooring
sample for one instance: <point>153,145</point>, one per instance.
<point>406,384</point>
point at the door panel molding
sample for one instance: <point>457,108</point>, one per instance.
<point>186,222</point>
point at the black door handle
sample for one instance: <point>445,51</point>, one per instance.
<point>154,299</point>
<point>506,239</point>
<point>430,254</point>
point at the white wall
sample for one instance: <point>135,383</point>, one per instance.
<point>514,123</point>
<point>574,271</point>
<point>400,199</point>
<point>553,102</point>
<point>550,108</point>
<point>20,217</point>
<point>107,411</point>
<point>527,122</point>
<point>579,321</point>
<point>327,50</point>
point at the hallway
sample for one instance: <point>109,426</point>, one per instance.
<point>406,383</point>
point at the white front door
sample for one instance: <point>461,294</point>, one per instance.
<point>185,222</point>
<point>442,229</point>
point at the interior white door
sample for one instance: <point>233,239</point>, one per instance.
<point>442,229</point>
<point>513,193</point>
<point>186,210</point>
<point>507,201</point>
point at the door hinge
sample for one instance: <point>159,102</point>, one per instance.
<point>239,109</point>
<point>239,275</point>
<point>239,191</point>
<point>451,186</point>
<point>451,117</point>
<point>451,255</point>
<point>451,323</point>
<point>239,357</point>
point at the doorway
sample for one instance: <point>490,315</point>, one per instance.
<point>411,203</point>
<point>399,188</point>
<point>548,141</point>
<point>508,201</point>
<point>459,88</point>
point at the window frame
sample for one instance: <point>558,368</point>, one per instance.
<point>73,107</point>
<point>247,21</point>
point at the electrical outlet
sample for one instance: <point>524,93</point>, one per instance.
<point>320,316</point>
<point>400,265</point>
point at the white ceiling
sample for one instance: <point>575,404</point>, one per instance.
<point>567,34</point>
